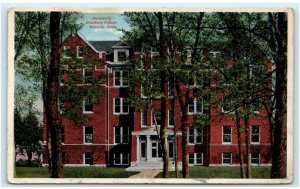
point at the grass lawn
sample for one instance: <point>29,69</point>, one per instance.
<point>222,172</point>
<point>74,172</point>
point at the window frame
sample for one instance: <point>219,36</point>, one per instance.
<point>84,108</point>
<point>121,159</point>
<point>170,125</point>
<point>142,114</point>
<point>122,135</point>
<point>224,158</point>
<point>152,121</point>
<point>255,158</point>
<point>66,48</point>
<point>84,75</point>
<point>121,78</point>
<point>77,51</point>
<point>195,157</point>
<point>84,135</point>
<point>195,134</point>
<point>121,106</point>
<point>227,134</point>
<point>91,159</point>
<point>257,134</point>
<point>195,100</point>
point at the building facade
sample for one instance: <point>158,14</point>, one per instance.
<point>119,135</point>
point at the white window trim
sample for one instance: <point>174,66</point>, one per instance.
<point>171,126</point>
<point>84,111</point>
<point>195,107</point>
<point>84,158</point>
<point>116,57</point>
<point>153,53</point>
<point>195,158</point>
<point>121,107</point>
<point>195,140</point>
<point>152,123</point>
<point>188,56</point>
<point>121,136</point>
<point>223,134</point>
<point>143,126</point>
<point>84,135</point>
<point>121,78</point>
<point>83,74</point>
<point>258,135</point>
<point>258,160</point>
<point>65,50</point>
<point>142,93</point>
<point>77,52</point>
<point>121,159</point>
<point>223,158</point>
<point>224,111</point>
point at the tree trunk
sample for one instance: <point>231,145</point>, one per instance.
<point>164,99</point>
<point>238,125</point>
<point>29,154</point>
<point>248,147</point>
<point>51,106</point>
<point>184,110</point>
<point>279,156</point>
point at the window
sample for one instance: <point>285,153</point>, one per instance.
<point>68,52</point>
<point>88,105</point>
<point>227,158</point>
<point>121,135</point>
<point>195,106</point>
<point>88,158</point>
<point>255,106</point>
<point>196,79</point>
<point>226,134</point>
<point>195,136</point>
<point>79,51</point>
<point>121,106</point>
<point>62,134</point>
<point>144,118</point>
<point>254,158</point>
<point>88,75</point>
<point>156,117</point>
<point>121,158</point>
<point>171,89</point>
<point>121,78</point>
<point>225,105</point>
<point>121,56</point>
<point>171,118</point>
<point>196,158</point>
<point>255,138</point>
<point>188,56</point>
<point>88,135</point>
<point>171,149</point>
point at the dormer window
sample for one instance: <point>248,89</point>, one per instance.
<point>79,52</point>
<point>121,56</point>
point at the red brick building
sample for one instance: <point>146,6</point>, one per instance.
<point>118,135</point>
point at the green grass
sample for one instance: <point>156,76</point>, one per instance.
<point>74,172</point>
<point>222,172</point>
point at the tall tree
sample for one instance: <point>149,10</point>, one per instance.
<point>51,97</point>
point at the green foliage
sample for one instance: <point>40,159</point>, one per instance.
<point>27,133</point>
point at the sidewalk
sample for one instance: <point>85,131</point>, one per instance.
<point>147,173</point>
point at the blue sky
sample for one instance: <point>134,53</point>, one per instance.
<point>105,34</point>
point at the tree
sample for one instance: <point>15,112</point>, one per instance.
<point>168,31</point>
<point>28,134</point>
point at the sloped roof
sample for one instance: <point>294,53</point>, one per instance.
<point>104,45</point>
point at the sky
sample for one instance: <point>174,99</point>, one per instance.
<point>102,26</point>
